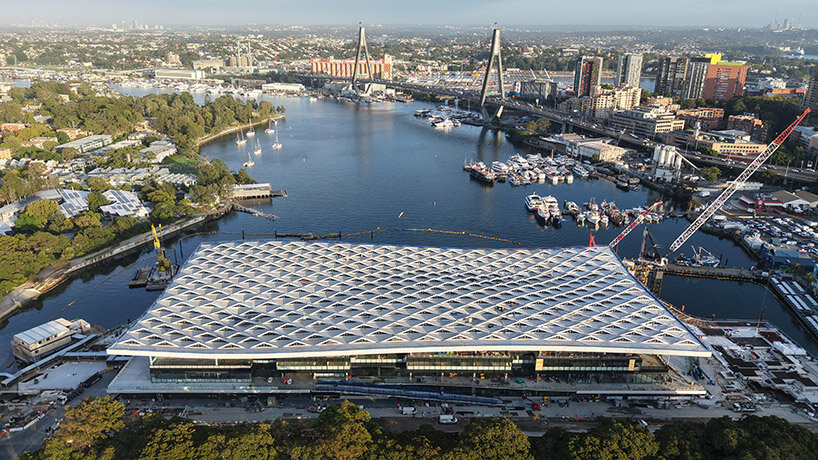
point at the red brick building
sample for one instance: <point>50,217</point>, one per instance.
<point>724,81</point>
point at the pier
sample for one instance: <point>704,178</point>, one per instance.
<point>254,212</point>
<point>722,273</point>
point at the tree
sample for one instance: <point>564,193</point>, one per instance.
<point>711,173</point>
<point>343,435</point>
<point>95,200</point>
<point>96,184</point>
<point>172,443</point>
<point>495,438</point>
<point>243,178</point>
<point>94,419</point>
<point>87,220</point>
<point>614,440</point>
<point>37,215</point>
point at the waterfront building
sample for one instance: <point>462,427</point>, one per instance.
<point>774,256</point>
<point>40,341</point>
<point>646,121</point>
<point>301,317</point>
<point>345,68</point>
<point>750,124</point>
<point>86,144</point>
<point>179,74</point>
<point>707,117</point>
<point>587,75</point>
<point>670,76</point>
<point>245,191</point>
<point>629,70</point>
<point>811,94</point>
<point>725,80</point>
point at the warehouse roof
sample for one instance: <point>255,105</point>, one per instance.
<point>256,300</point>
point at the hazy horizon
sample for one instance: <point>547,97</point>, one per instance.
<point>594,13</point>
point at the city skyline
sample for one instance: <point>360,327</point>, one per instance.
<point>697,13</point>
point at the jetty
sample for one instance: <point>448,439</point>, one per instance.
<point>722,273</point>
<point>254,212</point>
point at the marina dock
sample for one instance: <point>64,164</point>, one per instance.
<point>799,301</point>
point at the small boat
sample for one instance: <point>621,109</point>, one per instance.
<point>443,124</point>
<point>592,218</point>
<point>514,180</point>
<point>704,258</point>
<point>543,216</point>
<point>240,140</point>
<point>581,218</point>
<point>532,202</point>
<point>604,220</point>
<point>257,150</point>
<point>249,163</point>
<point>277,145</point>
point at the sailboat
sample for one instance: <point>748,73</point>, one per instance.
<point>240,140</point>
<point>249,162</point>
<point>257,150</point>
<point>269,129</point>
<point>251,132</point>
<point>277,145</point>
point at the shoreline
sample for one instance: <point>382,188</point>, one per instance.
<point>50,277</point>
<point>211,137</point>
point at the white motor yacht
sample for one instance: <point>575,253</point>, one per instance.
<point>532,202</point>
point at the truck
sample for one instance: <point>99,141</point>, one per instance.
<point>446,419</point>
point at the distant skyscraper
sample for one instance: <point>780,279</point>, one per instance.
<point>670,76</point>
<point>811,96</point>
<point>587,75</point>
<point>629,70</point>
<point>695,78</point>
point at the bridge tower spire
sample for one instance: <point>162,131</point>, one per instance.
<point>495,52</point>
<point>361,47</point>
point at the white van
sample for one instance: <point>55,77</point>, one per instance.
<point>408,410</point>
<point>446,419</point>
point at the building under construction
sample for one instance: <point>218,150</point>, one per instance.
<point>246,316</point>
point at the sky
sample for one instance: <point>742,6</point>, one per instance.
<point>694,13</point>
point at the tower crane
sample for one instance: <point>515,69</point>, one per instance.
<point>735,185</point>
<point>633,224</point>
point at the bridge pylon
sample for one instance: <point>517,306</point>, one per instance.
<point>361,47</point>
<point>495,53</point>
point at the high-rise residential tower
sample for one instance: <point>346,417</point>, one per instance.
<point>587,75</point>
<point>629,70</point>
<point>670,76</point>
<point>811,96</point>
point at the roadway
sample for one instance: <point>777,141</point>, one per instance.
<point>735,167</point>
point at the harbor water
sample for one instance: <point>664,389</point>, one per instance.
<point>356,168</point>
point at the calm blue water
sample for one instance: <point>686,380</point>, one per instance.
<point>355,168</point>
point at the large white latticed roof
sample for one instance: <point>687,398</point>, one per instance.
<point>294,299</point>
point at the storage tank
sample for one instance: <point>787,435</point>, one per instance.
<point>656,151</point>
<point>662,156</point>
<point>678,161</point>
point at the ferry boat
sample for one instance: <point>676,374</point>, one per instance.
<point>532,202</point>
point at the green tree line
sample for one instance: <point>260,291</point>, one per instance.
<point>98,429</point>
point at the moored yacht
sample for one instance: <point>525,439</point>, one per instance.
<point>532,202</point>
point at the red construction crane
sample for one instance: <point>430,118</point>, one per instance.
<point>633,224</point>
